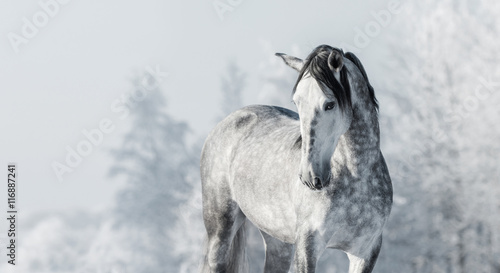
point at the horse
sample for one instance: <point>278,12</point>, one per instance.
<point>308,181</point>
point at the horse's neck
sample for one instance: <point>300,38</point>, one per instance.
<point>359,148</point>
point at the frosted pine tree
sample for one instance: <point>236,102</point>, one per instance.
<point>440,114</point>
<point>155,164</point>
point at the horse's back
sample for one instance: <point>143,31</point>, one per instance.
<point>245,127</point>
<point>253,121</point>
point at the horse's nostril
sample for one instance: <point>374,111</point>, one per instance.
<point>317,183</point>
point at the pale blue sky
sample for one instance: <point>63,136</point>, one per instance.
<point>66,77</point>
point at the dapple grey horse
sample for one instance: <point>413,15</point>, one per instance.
<point>308,181</point>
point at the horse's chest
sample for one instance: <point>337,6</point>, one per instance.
<point>357,211</point>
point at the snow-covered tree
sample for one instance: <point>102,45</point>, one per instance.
<point>443,170</point>
<point>156,163</point>
<point>232,86</point>
<point>276,79</point>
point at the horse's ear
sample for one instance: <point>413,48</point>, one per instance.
<point>291,61</point>
<point>335,61</point>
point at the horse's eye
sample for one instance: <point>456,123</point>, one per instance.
<point>329,106</point>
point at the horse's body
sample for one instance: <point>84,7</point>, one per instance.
<point>249,169</point>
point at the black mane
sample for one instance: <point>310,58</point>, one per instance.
<point>357,62</point>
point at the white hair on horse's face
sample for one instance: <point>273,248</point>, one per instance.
<point>322,122</point>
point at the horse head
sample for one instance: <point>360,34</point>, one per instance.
<point>323,100</point>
